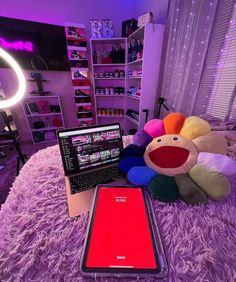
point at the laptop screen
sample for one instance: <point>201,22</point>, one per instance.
<point>86,148</point>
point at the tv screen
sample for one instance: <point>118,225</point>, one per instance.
<point>34,45</point>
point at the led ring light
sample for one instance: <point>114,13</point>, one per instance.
<point>22,85</point>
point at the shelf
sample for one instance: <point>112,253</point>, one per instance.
<point>85,119</point>
<point>134,97</point>
<point>82,87</point>
<point>109,78</point>
<point>106,116</point>
<point>75,38</point>
<point>132,120</point>
<point>46,128</point>
<point>41,115</point>
<point>76,59</point>
<point>72,48</point>
<point>40,96</point>
<point>108,40</point>
<point>7,141</point>
<point>83,104</point>
<point>134,77</point>
<point>107,65</point>
<point>109,95</point>
<point>70,24</point>
<point>80,69</point>
<point>135,62</point>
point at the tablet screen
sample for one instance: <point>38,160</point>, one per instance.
<point>120,236</point>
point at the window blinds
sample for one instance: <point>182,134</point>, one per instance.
<point>216,93</point>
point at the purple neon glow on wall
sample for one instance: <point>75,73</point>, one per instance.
<point>17,45</point>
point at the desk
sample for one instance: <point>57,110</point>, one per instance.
<point>39,242</point>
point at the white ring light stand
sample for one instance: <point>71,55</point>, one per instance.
<point>22,85</point>
<point>12,101</point>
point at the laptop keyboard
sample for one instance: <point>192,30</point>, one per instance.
<point>89,180</point>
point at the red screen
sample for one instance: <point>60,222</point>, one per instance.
<point>121,236</point>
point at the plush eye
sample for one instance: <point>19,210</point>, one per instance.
<point>158,140</point>
<point>175,138</point>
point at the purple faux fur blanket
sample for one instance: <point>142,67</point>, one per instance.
<point>39,242</point>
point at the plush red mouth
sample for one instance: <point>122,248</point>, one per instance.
<point>169,156</point>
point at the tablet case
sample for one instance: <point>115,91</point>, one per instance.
<point>157,241</point>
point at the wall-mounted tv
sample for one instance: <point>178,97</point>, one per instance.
<point>34,45</point>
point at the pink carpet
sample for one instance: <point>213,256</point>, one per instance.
<point>39,242</point>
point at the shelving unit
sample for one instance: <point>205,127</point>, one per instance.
<point>149,62</point>
<point>101,47</point>
<point>40,109</point>
<point>146,65</point>
<point>78,58</point>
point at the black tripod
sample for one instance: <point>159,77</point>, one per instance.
<point>21,157</point>
<point>161,102</point>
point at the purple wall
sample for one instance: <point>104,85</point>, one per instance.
<point>81,11</point>
<point>157,7</point>
<point>59,12</point>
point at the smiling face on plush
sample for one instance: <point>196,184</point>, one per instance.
<point>171,154</point>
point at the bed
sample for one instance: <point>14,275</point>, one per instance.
<point>39,242</point>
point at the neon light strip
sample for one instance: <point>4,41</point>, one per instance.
<point>17,45</point>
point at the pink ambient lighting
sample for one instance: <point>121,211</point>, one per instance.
<point>17,45</point>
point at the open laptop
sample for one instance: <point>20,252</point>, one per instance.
<point>90,156</point>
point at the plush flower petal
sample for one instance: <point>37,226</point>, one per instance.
<point>155,128</point>
<point>127,163</point>
<point>217,162</point>
<point>133,150</point>
<point>213,183</point>
<point>141,138</point>
<point>141,175</point>
<point>211,143</point>
<point>194,127</point>
<point>164,188</point>
<point>189,191</point>
<point>173,123</point>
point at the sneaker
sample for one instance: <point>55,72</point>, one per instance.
<point>79,92</point>
<point>72,32</point>
<point>82,99</point>
<point>75,55</point>
<point>81,109</point>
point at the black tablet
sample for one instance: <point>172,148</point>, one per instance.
<point>122,238</point>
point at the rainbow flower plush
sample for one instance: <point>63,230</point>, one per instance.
<point>179,157</point>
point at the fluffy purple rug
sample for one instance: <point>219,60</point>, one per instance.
<point>39,242</point>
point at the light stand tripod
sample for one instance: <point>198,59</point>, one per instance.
<point>161,102</point>
<point>21,157</point>
<point>4,104</point>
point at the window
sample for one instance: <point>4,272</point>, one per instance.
<point>217,90</point>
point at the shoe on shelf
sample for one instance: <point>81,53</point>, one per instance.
<point>2,155</point>
<point>79,92</point>
<point>73,33</point>
<point>75,55</point>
